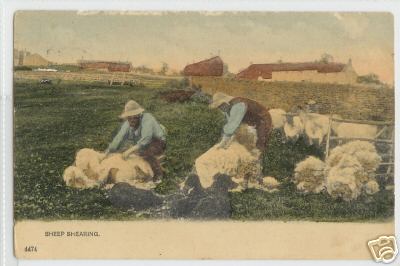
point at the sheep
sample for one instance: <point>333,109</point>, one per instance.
<point>316,126</point>
<point>278,117</point>
<point>222,161</point>
<point>134,170</point>
<point>354,130</point>
<point>88,160</point>
<point>309,175</point>
<point>76,178</point>
<point>92,168</point>
<point>293,128</point>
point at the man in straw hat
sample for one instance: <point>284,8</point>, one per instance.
<point>142,134</point>
<point>239,110</point>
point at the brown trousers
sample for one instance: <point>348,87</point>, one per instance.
<point>152,150</point>
<point>257,115</point>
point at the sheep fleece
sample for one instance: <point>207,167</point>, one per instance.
<point>221,161</point>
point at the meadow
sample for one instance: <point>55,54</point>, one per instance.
<point>52,122</point>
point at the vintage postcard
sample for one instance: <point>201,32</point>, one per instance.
<point>204,135</point>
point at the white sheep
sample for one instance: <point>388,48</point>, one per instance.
<point>309,175</point>
<point>278,117</point>
<point>75,177</point>
<point>293,128</point>
<point>224,161</point>
<point>134,171</point>
<point>354,130</point>
<point>316,126</point>
<point>88,160</point>
<point>94,169</point>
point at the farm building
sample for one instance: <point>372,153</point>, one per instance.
<point>209,67</point>
<point>107,66</point>
<point>297,72</point>
<point>23,58</point>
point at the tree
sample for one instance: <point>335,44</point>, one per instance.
<point>164,68</point>
<point>326,58</point>
<point>370,78</point>
<point>225,71</point>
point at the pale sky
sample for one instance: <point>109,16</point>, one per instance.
<point>239,38</point>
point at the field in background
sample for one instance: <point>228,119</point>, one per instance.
<point>52,122</point>
<point>152,81</point>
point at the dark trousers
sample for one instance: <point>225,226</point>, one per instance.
<point>150,153</point>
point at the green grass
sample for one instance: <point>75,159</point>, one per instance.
<point>52,122</point>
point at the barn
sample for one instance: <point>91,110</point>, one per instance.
<point>209,67</point>
<point>298,72</point>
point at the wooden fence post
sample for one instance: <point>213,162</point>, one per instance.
<point>328,137</point>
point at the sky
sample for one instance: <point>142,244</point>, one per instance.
<point>239,38</point>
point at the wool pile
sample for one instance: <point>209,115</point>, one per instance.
<point>347,173</point>
<point>309,175</point>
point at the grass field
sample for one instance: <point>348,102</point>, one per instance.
<point>52,122</point>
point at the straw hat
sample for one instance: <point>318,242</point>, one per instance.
<point>220,98</point>
<point>132,108</point>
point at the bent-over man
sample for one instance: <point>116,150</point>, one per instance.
<point>141,133</point>
<point>239,110</point>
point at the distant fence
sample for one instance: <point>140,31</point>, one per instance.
<point>95,76</point>
<point>352,102</point>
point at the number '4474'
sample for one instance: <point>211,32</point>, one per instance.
<point>30,249</point>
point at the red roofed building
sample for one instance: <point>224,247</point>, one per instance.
<point>209,67</point>
<point>298,72</point>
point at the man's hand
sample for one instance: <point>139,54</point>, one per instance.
<point>129,151</point>
<point>225,142</point>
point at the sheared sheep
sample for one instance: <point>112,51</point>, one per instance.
<point>309,175</point>
<point>293,128</point>
<point>278,117</point>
